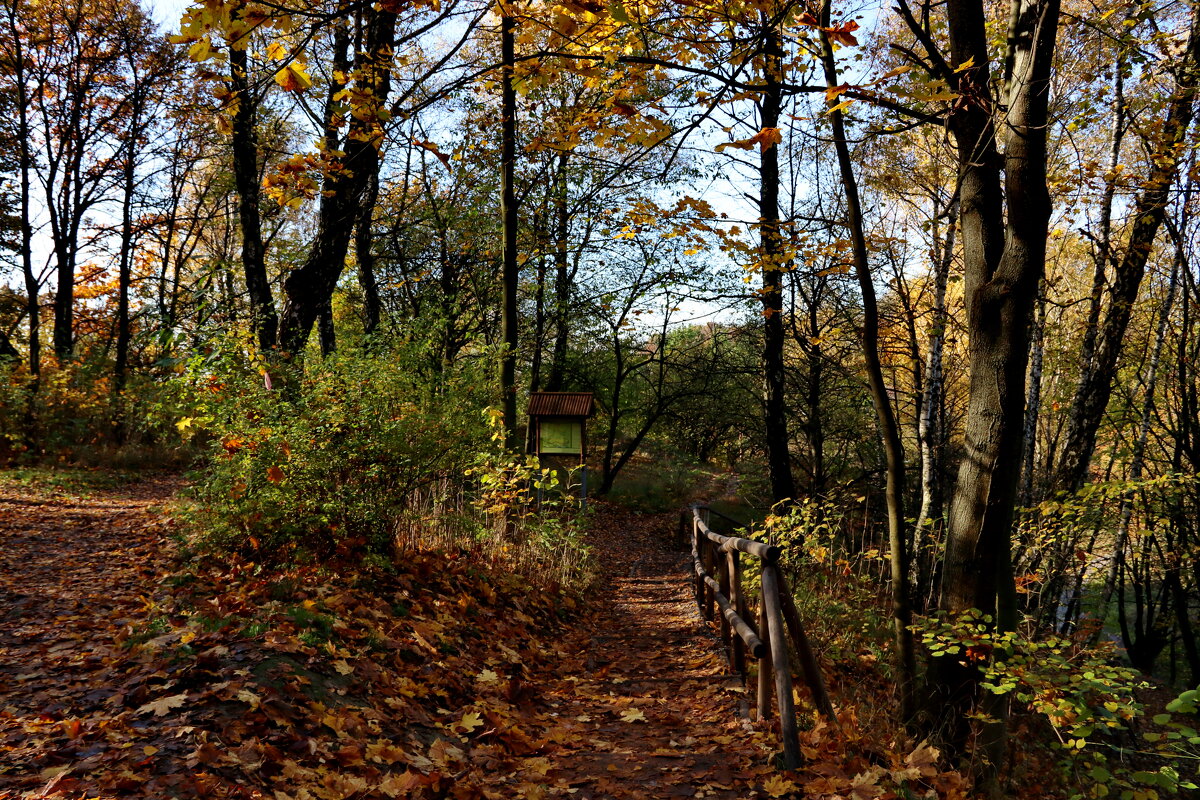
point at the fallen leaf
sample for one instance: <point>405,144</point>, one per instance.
<point>778,786</point>
<point>163,704</point>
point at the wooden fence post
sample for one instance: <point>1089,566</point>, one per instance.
<point>724,578</point>
<point>734,568</point>
<point>804,652</point>
<point>763,698</point>
<point>707,549</point>
<point>783,670</point>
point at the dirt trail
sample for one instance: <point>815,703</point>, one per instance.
<point>640,706</point>
<point>72,569</point>
<point>648,708</point>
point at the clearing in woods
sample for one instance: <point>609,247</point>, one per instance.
<point>634,702</point>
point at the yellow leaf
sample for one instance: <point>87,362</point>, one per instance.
<point>892,73</point>
<point>842,106</point>
<point>778,786</point>
<point>487,676</point>
<point>633,715</point>
<point>471,721</point>
<point>293,78</point>
<point>200,51</point>
<point>149,750</point>
<point>277,51</point>
<point>343,667</point>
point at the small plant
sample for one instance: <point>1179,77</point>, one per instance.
<point>530,506</point>
<point>1089,703</point>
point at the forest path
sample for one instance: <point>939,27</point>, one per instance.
<point>75,565</point>
<point>636,701</point>
<point>647,706</point>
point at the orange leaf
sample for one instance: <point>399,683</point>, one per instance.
<point>767,138</point>
<point>275,474</point>
<point>433,148</point>
<point>833,91</point>
<point>844,34</point>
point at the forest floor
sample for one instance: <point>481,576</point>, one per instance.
<point>635,702</point>
<point>127,671</point>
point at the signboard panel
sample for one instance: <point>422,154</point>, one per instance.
<point>560,436</point>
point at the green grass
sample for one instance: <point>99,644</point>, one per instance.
<point>75,481</point>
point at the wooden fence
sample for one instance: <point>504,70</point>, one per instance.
<point>766,640</point>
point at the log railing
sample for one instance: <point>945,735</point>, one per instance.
<point>716,561</point>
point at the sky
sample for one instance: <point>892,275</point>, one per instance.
<point>168,12</point>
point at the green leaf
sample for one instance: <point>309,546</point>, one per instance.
<point>617,10</point>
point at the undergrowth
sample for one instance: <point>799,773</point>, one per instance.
<point>1080,728</point>
<point>360,458</point>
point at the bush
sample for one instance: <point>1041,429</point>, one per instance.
<point>331,463</point>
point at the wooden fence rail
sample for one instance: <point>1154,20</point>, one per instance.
<point>716,560</point>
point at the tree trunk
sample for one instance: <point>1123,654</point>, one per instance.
<point>929,431</point>
<point>25,166</point>
<point>365,256</point>
<point>508,212</point>
<point>309,287</point>
<point>889,428</point>
<point>64,303</point>
<point>244,148</point>
<point>125,261</point>
<point>779,459</point>
<point>326,335</point>
<point>1033,403</point>
<point>1000,288</point>
<point>562,279</point>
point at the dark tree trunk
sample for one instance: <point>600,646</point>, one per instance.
<point>539,325</point>
<point>25,166</point>
<point>889,428</point>
<point>125,264</point>
<point>365,256</point>
<point>64,304</point>
<point>8,353</point>
<point>325,332</point>
<point>510,271</point>
<point>244,148</point>
<point>309,287</point>
<point>1004,261</point>
<point>562,279</point>
<point>779,458</point>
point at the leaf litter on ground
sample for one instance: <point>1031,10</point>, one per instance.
<point>129,673</point>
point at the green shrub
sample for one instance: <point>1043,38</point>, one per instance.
<point>334,461</point>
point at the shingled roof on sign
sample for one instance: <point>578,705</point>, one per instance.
<point>561,404</point>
